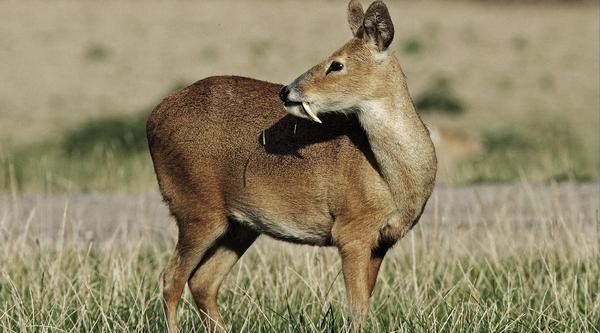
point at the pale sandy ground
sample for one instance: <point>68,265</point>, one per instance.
<point>511,64</point>
<point>495,220</point>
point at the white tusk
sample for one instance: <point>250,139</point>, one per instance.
<point>310,113</point>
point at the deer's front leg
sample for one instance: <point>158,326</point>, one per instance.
<point>356,257</point>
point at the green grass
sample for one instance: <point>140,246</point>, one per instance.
<point>97,52</point>
<point>107,290</point>
<point>111,154</point>
<point>119,134</point>
<point>439,96</point>
<point>519,43</point>
<point>210,53</point>
<point>536,151</point>
<point>412,45</point>
<point>49,168</point>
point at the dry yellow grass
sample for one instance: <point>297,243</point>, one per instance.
<point>518,258</point>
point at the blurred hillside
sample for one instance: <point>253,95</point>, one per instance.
<point>510,89</point>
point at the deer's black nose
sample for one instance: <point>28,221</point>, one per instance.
<point>284,93</point>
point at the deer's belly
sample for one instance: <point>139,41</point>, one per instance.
<point>303,228</point>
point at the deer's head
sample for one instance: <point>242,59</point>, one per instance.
<point>357,72</point>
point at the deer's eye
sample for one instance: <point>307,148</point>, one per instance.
<point>334,67</point>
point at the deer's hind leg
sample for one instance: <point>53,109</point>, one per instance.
<point>198,232</point>
<point>374,265</point>
<point>208,276</point>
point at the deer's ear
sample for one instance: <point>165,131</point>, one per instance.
<point>378,25</point>
<point>355,16</point>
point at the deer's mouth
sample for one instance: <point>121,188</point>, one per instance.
<point>305,108</point>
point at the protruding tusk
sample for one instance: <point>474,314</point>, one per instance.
<point>310,113</point>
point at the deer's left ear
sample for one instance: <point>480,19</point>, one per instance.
<point>378,25</point>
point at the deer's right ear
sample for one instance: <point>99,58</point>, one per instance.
<point>356,16</point>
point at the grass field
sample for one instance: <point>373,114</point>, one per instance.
<point>502,258</point>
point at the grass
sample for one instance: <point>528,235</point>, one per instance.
<point>459,270</point>
<point>210,53</point>
<point>259,49</point>
<point>111,154</point>
<point>49,168</point>
<point>534,151</point>
<point>97,52</point>
<point>439,96</point>
<point>122,135</point>
<point>412,45</point>
<point>107,291</point>
<point>519,43</point>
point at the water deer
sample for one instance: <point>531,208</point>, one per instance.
<point>339,157</point>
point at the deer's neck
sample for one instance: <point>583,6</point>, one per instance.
<point>402,148</point>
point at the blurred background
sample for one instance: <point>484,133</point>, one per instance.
<point>509,89</point>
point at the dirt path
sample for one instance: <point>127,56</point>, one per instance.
<point>475,218</point>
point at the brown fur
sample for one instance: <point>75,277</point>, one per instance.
<point>232,164</point>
